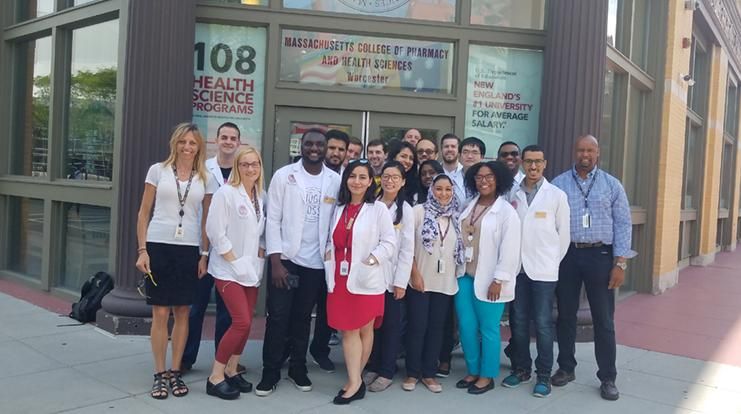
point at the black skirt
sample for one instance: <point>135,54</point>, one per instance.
<point>175,270</point>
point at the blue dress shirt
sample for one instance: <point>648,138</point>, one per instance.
<point>607,205</point>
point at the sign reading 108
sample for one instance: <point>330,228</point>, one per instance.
<point>222,57</point>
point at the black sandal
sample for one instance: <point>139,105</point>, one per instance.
<point>159,388</point>
<point>179,389</point>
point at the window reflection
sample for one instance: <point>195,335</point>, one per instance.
<point>30,154</point>
<point>86,240</point>
<point>528,14</point>
<point>26,235</point>
<point>92,100</point>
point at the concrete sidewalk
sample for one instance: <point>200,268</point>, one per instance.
<point>48,368</point>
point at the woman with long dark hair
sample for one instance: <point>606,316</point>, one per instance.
<point>427,171</point>
<point>387,339</point>
<point>406,154</point>
<point>362,241</point>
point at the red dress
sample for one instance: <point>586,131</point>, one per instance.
<point>347,311</point>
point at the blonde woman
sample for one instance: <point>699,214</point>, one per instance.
<point>236,229</point>
<point>173,247</point>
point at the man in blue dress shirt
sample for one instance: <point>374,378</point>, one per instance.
<point>600,246</point>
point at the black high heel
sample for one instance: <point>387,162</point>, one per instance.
<point>359,395</point>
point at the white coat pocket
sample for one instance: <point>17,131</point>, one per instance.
<point>369,278</point>
<point>244,271</point>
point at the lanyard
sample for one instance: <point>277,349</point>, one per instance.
<point>255,204</point>
<point>349,226</point>
<point>181,198</point>
<point>443,234</point>
<point>589,190</point>
<point>474,218</point>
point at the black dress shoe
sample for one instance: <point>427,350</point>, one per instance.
<point>609,391</point>
<point>359,395</point>
<point>561,378</point>
<point>222,390</point>
<point>463,384</point>
<point>239,383</point>
<point>473,389</point>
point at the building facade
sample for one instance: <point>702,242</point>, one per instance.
<point>89,90</point>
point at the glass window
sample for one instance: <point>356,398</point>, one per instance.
<point>726,175</point>
<point>245,2</point>
<point>608,104</point>
<point>640,34</point>
<point>79,2</point>
<point>527,14</point>
<point>26,236</point>
<point>612,20</point>
<point>692,151</point>
<point>34,92</point>
<point>436,10</point>
<point>700,71</point>
<point>92,101</point>
<point>368,62</point>
<point>503,95</point>
<point>30,9</point>
<point>731,114</point>
<point>86,240</point>
<point>633,144</point>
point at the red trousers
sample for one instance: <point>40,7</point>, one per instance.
<point>240,302</point>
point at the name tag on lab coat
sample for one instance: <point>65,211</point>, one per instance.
<point>330,200</point>
<point>540,214</point>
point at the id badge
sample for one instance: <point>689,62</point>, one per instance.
<point>469,254</point>
<point>586,221</point>
<point>179,233</point>
<point>344,268</point>
<point>440,266</point>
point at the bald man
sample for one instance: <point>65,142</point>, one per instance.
<point>600,227</point>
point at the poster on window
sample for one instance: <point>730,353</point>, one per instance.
<point>332,59</point>
<point>228,82</point>
<point>503,95</point>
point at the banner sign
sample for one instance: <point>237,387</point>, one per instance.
<point>503,95</point>
<point>229,79</point>
<point>332,59</point>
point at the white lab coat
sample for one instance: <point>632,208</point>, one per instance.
<point>545,231</point>
<point>213,166</point>
<point>232,224</point>
<point>373,233</point>
<point>499,249</point>
<point>285,217</point>
<point>399,268</point>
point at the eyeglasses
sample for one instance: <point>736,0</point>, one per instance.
<point>141,286</point>
<point>507,154</point>
<point>488,178</point>
<point>255,164</point>
<point>425,151</point>
<point>392,178</point>
<point>531,162</point>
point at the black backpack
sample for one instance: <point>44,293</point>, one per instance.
<point>91,296</point>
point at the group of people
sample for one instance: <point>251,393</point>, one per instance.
<point>395,251</point>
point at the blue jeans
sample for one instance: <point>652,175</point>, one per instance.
<point>195,320</point>
<point>533,301</point>
<point>478,319</point>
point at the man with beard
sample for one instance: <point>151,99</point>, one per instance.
<point>450,145</point>
<point>301,199</point>
<point>426,150</point>
<point>509,155</point>
<point>337,142</point>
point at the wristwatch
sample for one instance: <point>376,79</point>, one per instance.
<point>497,281</point>
<point>204,253</point>
<point>621,265</point>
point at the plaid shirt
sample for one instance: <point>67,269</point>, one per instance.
<point>608,209</point>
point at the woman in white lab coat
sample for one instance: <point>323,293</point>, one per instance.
<point>235,227</point>
<point>387,339</point>
<point>490,230</point>
<point>361,244</point>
